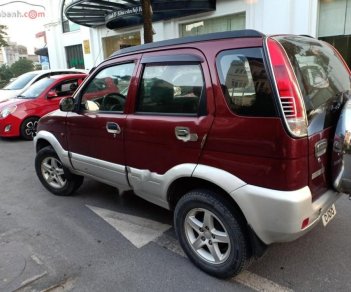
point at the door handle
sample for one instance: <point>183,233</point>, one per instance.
<point>113,128</point>
<point>183,134</point>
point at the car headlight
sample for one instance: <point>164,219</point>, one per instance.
<point>7,111</point>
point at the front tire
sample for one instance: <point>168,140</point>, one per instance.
<point>53,175</point>
<point>28,128</point>
<point>211,234</point>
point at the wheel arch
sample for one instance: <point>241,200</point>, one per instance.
<point>29,117</point>
<point>45,138</point>
<point>40,144</point>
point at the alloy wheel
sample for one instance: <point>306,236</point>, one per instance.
<point>31,128</point>
<point>53,173</point>
<point>207,236</point>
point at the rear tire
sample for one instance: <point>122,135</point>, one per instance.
<point>28,128</point>
<point>211,234</point>
<point>53,175</point>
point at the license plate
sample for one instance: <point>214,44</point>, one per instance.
<point>329,215</point>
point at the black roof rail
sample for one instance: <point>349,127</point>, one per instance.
<point>191,39</point>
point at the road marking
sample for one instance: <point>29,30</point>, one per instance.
<point>31,280</point>
<point>139,231</point>
<point>245,278</point>
<point>64,286</point>
<point>259,283</point>
<point>37,260</point>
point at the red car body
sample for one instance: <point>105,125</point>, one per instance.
<point>266,140</point>
<point>26,108</point>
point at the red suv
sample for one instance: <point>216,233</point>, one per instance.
<point>242,135</point>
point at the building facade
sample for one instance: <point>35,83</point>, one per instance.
<point>12,53</point>
<point>116,24</point>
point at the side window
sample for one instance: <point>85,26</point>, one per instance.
<point>107,91</point>
<point>66,88</point>
<point>245,83</point>
<point>171,89</point>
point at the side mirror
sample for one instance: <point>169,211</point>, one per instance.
<point>52,94</point>
<point>67,104</point>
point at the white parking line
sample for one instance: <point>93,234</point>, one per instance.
<point>246,278</point>
<point>259,283</point>
<point>141,231</point>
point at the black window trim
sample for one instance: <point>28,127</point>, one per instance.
<point>181,58</point>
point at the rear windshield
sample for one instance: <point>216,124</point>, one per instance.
<point>321,74</point>
<point>21,81</point>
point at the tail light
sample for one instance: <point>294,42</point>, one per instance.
<point>289,94</point>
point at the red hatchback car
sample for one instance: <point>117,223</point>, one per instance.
<point>19,116</point>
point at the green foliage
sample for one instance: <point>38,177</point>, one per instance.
<point>5,72</point>
<point>22,66</point>
<point>5,75</point>
<point>3,34</point>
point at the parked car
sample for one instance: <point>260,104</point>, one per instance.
<point>19,116</point>
<point>250,148</point>
<point>22,82</point>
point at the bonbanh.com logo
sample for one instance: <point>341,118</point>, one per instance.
<point>27,10</point>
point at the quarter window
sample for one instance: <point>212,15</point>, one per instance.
<point>108,90</point>
<point>171,89</point>
<point>244,82</point>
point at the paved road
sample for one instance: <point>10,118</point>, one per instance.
<point>50,243</point>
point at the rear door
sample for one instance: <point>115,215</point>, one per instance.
<point>171,116</point>
<point>325,85</point>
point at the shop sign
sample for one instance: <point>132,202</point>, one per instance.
<point>125,12</point>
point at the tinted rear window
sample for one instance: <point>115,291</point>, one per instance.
<point>244,82</point>
<point>321,74</point>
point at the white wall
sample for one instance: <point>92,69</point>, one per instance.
<point>283,16</point>
<point>57,40</point>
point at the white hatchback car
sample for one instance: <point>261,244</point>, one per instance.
<point>22,82</point>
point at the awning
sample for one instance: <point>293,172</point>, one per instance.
<point>42,52</point>
<point>116,14</point>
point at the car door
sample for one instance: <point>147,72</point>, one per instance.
<point>61,89</point>
<point>50,98</point>
<point>95,132</point>
<point>168,126</point>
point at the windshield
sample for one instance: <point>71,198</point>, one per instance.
<point>21,81</point>
<point>37,88</point>
<point>321,74</point>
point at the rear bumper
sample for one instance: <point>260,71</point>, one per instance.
<point>277,216</point>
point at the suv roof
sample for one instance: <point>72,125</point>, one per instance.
<point>247,33</point>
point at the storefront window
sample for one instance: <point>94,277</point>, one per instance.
<point>68,26</point>
<point>224,23</point>
<point>334,18</point>
<point>74,56</point>
<point>335,25</point>
<point>115,43</point>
